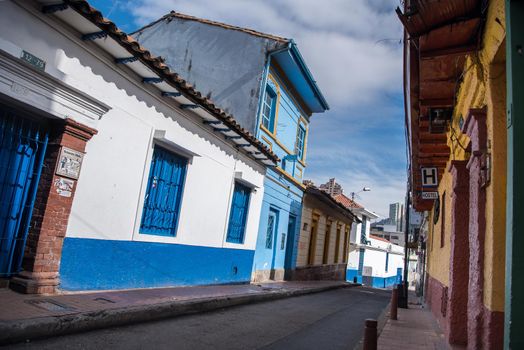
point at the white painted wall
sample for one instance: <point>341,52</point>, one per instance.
<point>356,229</point>
<point>375,257</point>
<point>110,191</point>
<point>375,254</point>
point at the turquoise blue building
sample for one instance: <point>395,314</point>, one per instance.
<point>290,96</point>
<point>263,81</point>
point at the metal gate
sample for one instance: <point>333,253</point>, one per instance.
<point>22,147</point>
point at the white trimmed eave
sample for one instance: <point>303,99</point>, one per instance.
<point>166,89</point>
<point>367,213</point>
<point>390,249</point>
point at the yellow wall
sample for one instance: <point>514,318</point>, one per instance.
<point>483,85</point>
<point>309,209</point>
<point>439,257</point>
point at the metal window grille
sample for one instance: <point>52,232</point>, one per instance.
<point>23,143</point>
<point>238,215</point>
<point>164,193</point>
<point>271,221</point>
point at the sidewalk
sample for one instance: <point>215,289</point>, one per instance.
<point>415,328</point>
<point>28,316</point>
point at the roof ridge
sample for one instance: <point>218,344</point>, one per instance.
<point>157,65</point>
<point>173,13</point>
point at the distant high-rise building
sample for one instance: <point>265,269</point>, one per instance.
<point>394,211</point>
<point>400,221</point>
<point>332,187</point>
<point>396,215</point>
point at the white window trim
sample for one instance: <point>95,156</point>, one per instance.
<point>157,137</point>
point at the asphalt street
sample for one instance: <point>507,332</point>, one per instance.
<point>328,320</point>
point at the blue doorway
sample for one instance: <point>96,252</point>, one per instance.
<point>23,142</point>
<point>272,238</point>
<point>290,244</point>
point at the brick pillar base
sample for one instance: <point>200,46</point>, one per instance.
<point>48,227</point>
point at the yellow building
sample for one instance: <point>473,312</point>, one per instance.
<point>455,88</point>
<point>324,238</point>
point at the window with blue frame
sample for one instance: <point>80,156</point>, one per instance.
<point>362,251</point>
<point>238,215</point>
<point>270,229</point>
<point>301,137</point>
<point>268,109</point>
<point>164,193</point>
<point>363,237</point>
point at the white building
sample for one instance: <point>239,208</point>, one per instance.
<point>372,260</point>
<point>145,183</point>
<point>390,233</point>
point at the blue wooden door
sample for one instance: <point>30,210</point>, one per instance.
<point>163,193</point>
<point>238,215</point>
<point>290,244</point>
<point>22,147</point>
<point>271,235</point>
<point>399,275</point>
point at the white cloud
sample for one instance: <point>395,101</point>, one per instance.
<point>342,41</point>
<point>353,49</point>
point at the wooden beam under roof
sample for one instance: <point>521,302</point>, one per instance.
<point>455,34</point>
<point>438,138</point>
<point>423,16</point>
<point>434,148</point>
<point>437,102</point>
<point>449,51</point>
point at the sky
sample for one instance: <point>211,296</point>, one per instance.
<point>354,50</point>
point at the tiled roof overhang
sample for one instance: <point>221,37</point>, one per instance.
<point>439,36</point>
<point>327,199</point>
<point>108,36</point>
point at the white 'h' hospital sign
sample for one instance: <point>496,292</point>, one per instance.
<point>429,177</point>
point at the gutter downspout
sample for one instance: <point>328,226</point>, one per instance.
<point>263,84</point>
<point>403,296</point>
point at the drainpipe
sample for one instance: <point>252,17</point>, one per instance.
<point>403,301</point>
<point>264,83</point>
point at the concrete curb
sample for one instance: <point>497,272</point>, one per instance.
<point>18,331</point>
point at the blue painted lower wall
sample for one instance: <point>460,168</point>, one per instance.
<point>93,264</point>
<point>376,282</point>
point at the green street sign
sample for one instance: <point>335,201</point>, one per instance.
<point>36,62</point>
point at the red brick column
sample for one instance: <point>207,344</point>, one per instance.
<point>476,128</point>
<point>51,211</point>
<point>456,329</point>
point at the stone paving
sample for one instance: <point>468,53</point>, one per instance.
<point>15,306</point>
<point>415,328</point>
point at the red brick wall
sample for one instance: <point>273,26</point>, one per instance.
<point>334,272</point>
<point>50,217</point>
<point>435,293</point>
